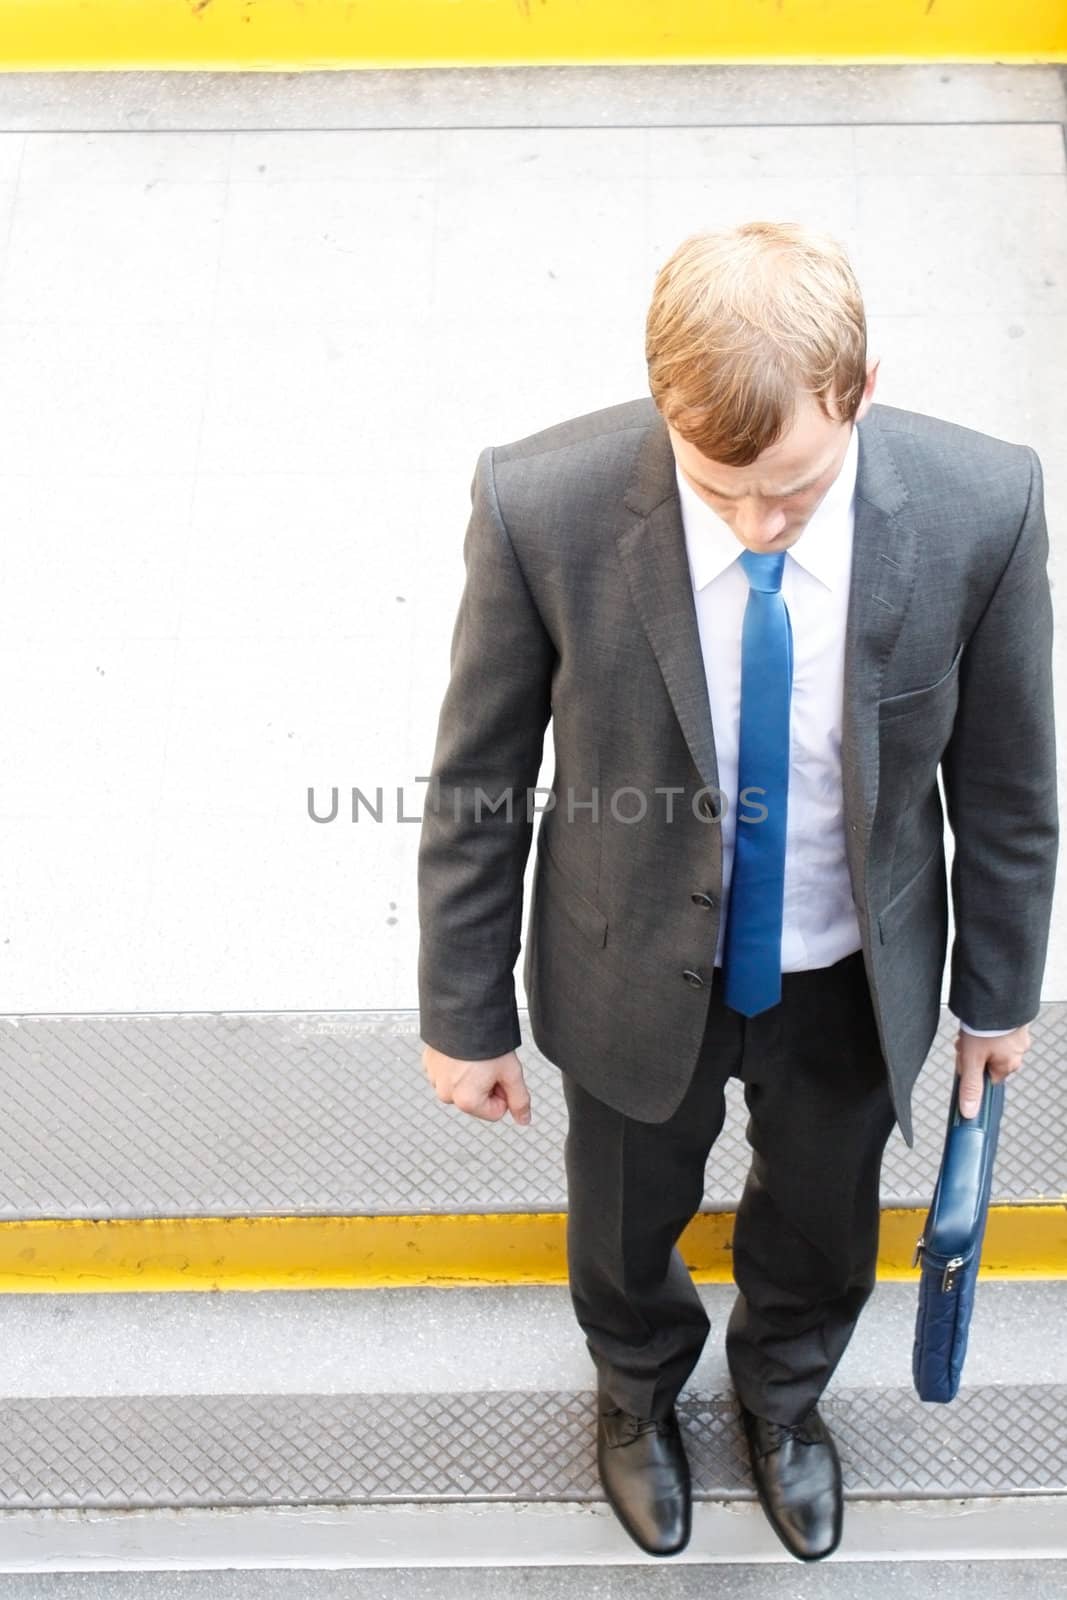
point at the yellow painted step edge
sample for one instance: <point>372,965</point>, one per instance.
<point>73,1255</point>
<point>272,35</point>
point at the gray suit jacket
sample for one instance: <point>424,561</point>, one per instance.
<point>578,606</point>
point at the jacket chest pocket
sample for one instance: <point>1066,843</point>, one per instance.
<point>914,728</point>
<point>933,701</point>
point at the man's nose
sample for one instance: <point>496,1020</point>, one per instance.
<point>758,524</point>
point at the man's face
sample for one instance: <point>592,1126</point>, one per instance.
<point>768,504</point>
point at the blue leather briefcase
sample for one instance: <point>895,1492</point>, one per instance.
<point>951,1243</point>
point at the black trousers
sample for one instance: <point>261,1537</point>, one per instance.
<point>805,1238</point>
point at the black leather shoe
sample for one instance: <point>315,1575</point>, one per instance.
<point>798,1480</point>
<point>645,1473</point>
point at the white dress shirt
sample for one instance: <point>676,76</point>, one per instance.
<point>819,924</point>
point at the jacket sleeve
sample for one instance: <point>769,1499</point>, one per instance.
<point>999,771</point>
<point>476,825</point>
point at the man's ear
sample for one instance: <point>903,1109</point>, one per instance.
<point>869,388</point>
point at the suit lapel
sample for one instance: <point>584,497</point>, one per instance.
<point>651,545</point>
<point>884,560</point>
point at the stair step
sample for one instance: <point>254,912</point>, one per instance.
<point>504,1477</point>
<point>291,1149</point>
<point>836,1579</point>
<point>447,1427</point>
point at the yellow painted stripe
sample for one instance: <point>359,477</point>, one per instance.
<point>308,34</point>
<point>337,1252</point>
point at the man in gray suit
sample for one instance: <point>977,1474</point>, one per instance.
<point>761,611</point>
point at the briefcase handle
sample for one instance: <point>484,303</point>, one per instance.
<point>961,1193</point>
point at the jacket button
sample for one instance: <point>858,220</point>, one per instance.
<point>694,978</point>
<point>709,807</point>
<point>704,901</point>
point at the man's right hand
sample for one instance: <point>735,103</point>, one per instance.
<point>485,1089</point>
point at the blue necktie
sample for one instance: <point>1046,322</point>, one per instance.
<point>752,952</point>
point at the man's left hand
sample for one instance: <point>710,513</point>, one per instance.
<point>1002,1055</point>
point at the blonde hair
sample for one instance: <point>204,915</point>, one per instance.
<point>742,321</point>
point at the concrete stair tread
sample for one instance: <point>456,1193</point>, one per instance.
<point>457,1426</point>
<point>507,1445</point>
<point>305,1113</point>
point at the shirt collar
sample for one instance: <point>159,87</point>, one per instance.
<point>822,549</point>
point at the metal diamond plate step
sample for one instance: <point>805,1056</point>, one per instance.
<point>328,1449</point>
<point>305,1114</point>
